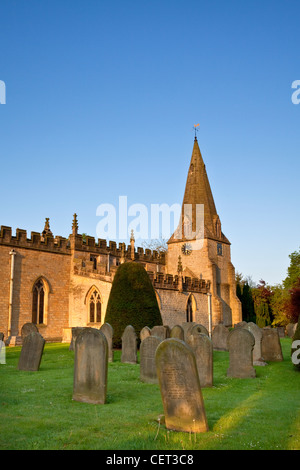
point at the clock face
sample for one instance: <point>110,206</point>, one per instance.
<point>186,249</point>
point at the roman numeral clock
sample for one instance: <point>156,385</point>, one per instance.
<point>186,249</point>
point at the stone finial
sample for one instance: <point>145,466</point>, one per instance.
<point>47,230</point>
<point>132,240</point>
<point>75,225</point>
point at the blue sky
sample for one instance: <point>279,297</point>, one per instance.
<point>101,98</point>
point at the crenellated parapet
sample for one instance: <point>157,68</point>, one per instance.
<point>87,244</point>
<point>35,242</point>
<point>168,281</point>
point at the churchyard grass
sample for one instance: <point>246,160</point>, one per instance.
<point>37,410</point>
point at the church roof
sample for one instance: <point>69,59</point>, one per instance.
<point>198,192</point>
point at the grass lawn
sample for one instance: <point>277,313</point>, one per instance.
<point>37,411</point>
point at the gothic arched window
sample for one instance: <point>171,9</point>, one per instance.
<point>38,303</point>
<point>94,307</point>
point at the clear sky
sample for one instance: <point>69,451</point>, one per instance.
<point>101,98</point>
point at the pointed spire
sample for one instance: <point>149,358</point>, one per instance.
<point>75,225</point>
<point>132,240</point>
<point>198,192</point>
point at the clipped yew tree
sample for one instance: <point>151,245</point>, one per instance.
<point>132,301</point>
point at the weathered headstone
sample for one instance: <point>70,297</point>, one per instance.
<point>31,352</point>
<point>281,331</point>
<point>220,337</point>
<point>240,345</point>
<point>199,329</point>
<point>148,348</point>
<point>129,345</point>
<point>90,367</point>
<point>187,327</point>
<point>202,347</point>
<point>145,332</point>
<point>28,328</point>
<point>108,332</point>
<point>180,387</point>
<point>241,324</point>
<point>271,346</point>
<point>76,330</point>
<point>258,359</point>
<point>290,329</point>
<point>2,352</point>
<point>161,331</point>
<point>177,332</point>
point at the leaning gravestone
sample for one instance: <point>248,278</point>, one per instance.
<point>148,349</point>
<point>145,332</point>
<point>240,345</point>
<point>220,337</point>
<point>31,352</point>
<point>129,345</point>
<point>177,332</point>
<point>202,347</point>
<point>258,359</point>
<point>180,387</point>
<point>90,367</point>
<point>108,332</point>
<point>161,331</point>
<point>28,328</point>
<point>271,346</point>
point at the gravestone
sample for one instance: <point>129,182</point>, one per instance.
<point>90,367</point>
<point>290,329</point>
<point>281,331</point>
<point>258,359</point>
<point>31,352</point>
<point>220,337</point>
<point>76,330</point>
<point>2,352</point>
<point>129,345</point>
<point>241,324</point>
<point>161,331</point>
<point>145,332</point>
<point>1,336</point>
<point>148,348</point>
<point>180,387</point>
<point>187,327</point>
<point>28,328</point>
<point>108,332</point>
<point>199,329</point>
<point>240,346</point>
<point>271,346</point>
<point>202,347</point>
<point>177,332</point>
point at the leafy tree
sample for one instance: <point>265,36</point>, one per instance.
<point>263,315</point>
<point>248,311</point>
<point>132,301</point>
<point>293,306</point>
<point>293,270</point>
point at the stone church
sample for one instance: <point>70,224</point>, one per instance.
<point>60,283</point>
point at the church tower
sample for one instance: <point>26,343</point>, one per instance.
<point>204,249</point>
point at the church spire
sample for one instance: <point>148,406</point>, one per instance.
<point>198,192</point>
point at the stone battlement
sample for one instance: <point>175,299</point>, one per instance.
<point>77,242</point>
<point>35,242</point>
<point>168,281</point>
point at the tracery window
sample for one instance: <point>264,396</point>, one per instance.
<point>95,307</point>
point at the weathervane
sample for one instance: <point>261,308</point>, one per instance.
<point>195,129</point>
